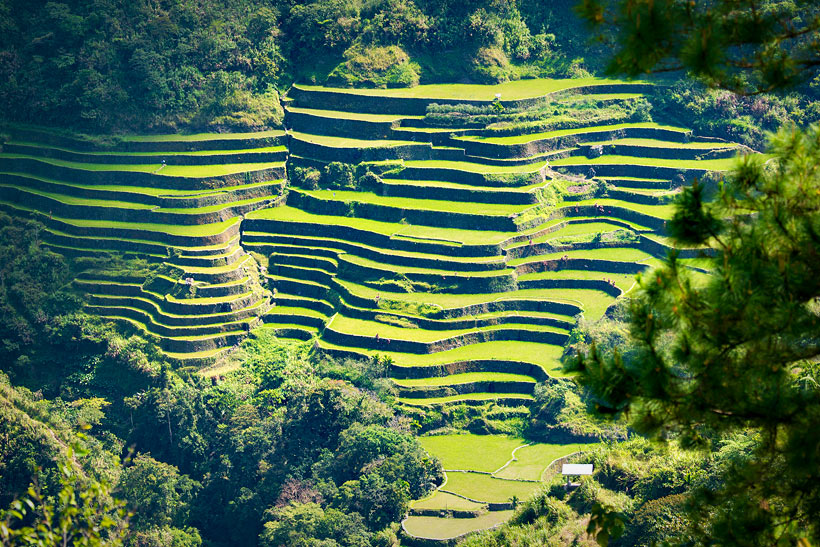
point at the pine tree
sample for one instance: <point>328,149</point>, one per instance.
<point>734,354</point>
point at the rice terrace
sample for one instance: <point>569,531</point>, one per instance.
<point>365,297</point>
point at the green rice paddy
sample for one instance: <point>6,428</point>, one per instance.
<point>515,90</point>
<point>393,277</point>
<point>439,528</point>
<point>467,208</point>
<point>471,452</point>
<point>485,488</point>
<point>531,461</point>
<point>530,137</point>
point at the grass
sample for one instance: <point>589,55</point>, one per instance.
<point>213,208</point>
<point>476,167</point>
<point>711,165</point>
<point>462,207</point>
<point>345,142</point>
<point>445,528</point>
<point>169,154</point>
<point>464,398</point>
<point>444,501</point>
<point>390,269</point>
<point>577,229</point>
<point>488,489</point>
<point>342,115</point>
<point>82,202</point>
<point>466,378</point>
<point>622,281</point>
<point>515,90</point>
<point>390,229</point>
<point>188,171</point>
<point>195,137</point>
<point>531,461</point>
<point>471,452</point>
<point>657,143</point>
<point>362,327</point>
<point>309,244</point>
<point>422,184</point>
<point>544,355</point>
<point>148,191</point>
<point>657,211</point>
<point>203,230</point>
<point>523,139</point>
<point>457,301</point>
<point>620,254</point>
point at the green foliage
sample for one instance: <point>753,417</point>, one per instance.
<point>657,521</point>
<point>339,175</point>
<point>308,524</point>
<point>142,65</point>
<point>749,47</point>
<point>156,493</point>
<point>558,414</point>
<point>304,177</point>
<point>372,66</point>
<point>544,115</point>
<point>82,513</point>
<point>735,353</point>
<point>734,117</point>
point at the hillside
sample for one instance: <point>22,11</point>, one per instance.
<point>453,234</point>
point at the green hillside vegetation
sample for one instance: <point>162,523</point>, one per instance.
<point>445,277</point>
<point>297,286</point>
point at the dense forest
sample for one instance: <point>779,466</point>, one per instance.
<point>104,67</point>
<point>703,396</point>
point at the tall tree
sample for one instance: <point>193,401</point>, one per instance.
<point>735,352</point>
<point>747,46</point>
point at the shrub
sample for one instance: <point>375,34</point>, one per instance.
<point>490,65</point>
<point>374,66</point>
<point>338,174</point>
<point>657,522</point>
<point>305,177</point>
<point>542,506</point>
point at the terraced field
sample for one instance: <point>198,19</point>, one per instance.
<point>463,264</point>
<point>457,265</point>
<point>174,200</point>
<point>486,476</point>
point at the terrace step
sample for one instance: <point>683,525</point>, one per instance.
<point>349,150</point>
<point>295,316</point>
<point>144,175</point>
<point>291,300</point>
<point>444,214</point>
<point>420,189</point>
<point>415,103</point>
<point>629,182</point>
<point>526,145</point>
<point>280,258</point>
<point>291,330</point>
<point>99,209</point>
<point>380,336</point>
<point>465,383</point>
<point>208,260</point>
<point>151,143</point>
<point>385,235</point>
<point>340,123</point>
<point>453,281</point>
<point>298,287</point>
<point>185,344</point>
<point>333,248</point>
<point>258,155</point>
<point>503,399</point>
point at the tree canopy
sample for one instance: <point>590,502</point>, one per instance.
<point>747,46</point>
<point>733,354</point>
